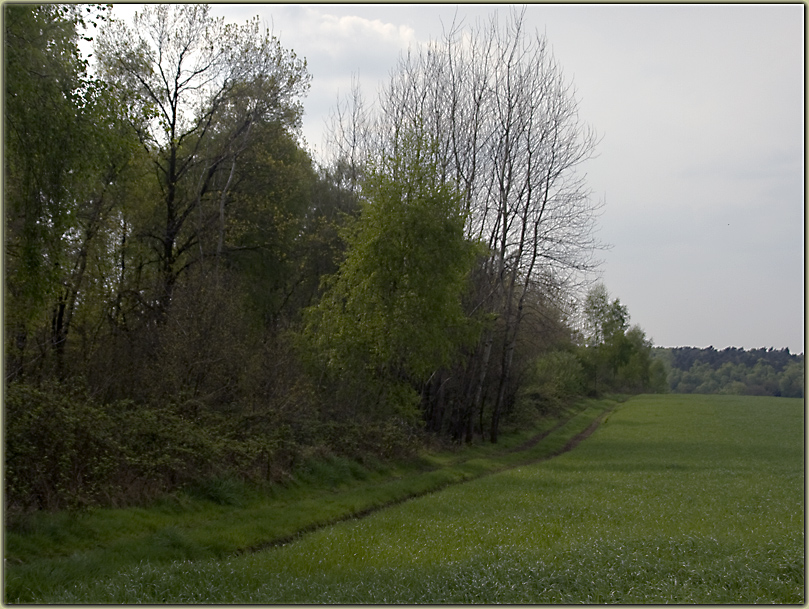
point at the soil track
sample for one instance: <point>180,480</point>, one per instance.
<point>576,440</point>
<point>538,438</point>
<point>570,445</point>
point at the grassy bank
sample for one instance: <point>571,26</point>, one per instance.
<point>49,556</point>
<point>675,499</point>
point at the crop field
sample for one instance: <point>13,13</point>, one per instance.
<point>674,499</point>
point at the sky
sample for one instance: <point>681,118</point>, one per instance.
<point>700,111</point>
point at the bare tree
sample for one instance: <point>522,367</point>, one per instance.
<point>504,127</point>
<point>349,137</point>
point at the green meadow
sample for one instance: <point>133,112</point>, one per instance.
<point>673,499</point>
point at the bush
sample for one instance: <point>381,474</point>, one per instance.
<point>361,439</point>
<point>222,490</point>
<point>65,450</point>
<point>62,449</point>
<point>556,378</point>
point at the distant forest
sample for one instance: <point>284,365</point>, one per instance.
<point>734,371</point>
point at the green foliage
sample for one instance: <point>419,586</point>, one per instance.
<point>604,319</point>
<point>633,374</point>
<point>165,235</point>
<point>658,377</point>
<point>281,225</point>
<point>231,82</point>
<point>66,450</point>
<point>168,392</point>
<point>731,378</point>
<point>392,315</point>
<point>48,553</point>
<point>64,146</point>
<point>616,357</point>
<point>61,448</point>
<point>684,357</point>
<point>556,379</point>
<point>222,490</point>
<point>386,438</point>
<point>792,381</point>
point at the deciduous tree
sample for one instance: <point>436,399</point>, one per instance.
<point>64,151</point>
<point>502,123</point>
<point>196,86</point>
<point>392,314</point>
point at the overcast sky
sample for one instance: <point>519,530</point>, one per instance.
<point>701,163</point>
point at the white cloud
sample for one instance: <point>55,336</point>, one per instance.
<point>337,44</point>
<point>358,29</point>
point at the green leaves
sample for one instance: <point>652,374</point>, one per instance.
<point>617,357</point>
<point>603,319</point>
<point>63,145</point>
<point>393,311</point>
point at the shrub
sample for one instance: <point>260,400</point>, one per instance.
<point>65,450</point>
<point>62,449</point>
<point>556,378</point>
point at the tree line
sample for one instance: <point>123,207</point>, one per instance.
<point>775,372</point>
<point>189,294</point>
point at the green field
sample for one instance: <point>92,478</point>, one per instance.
<point>674,499</point>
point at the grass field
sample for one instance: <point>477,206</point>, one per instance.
<point>674,499</point>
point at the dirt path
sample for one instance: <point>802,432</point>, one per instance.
<point>570,445</point>
<point>538,438</point>
<point>576,440</point>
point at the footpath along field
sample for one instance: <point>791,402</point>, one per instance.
<point>674,499</point>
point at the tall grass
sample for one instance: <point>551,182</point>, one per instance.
<point>690,499</point>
